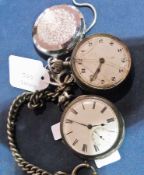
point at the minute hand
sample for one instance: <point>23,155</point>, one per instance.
<point>79,123</point>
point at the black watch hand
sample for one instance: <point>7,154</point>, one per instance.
<point>99,125</point>
<point>78,123</point>
<point>94,76</point>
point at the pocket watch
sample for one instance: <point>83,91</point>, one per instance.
<point>58,29</point>
<point>100,62</point>
<point>92,127</point>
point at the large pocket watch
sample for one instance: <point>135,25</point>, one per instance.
<point>92,127</point>
<point>58,29</point>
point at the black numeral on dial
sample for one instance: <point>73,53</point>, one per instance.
<point>84,148</point>
<point>104,109</point>
<point>94,104</point>
<point>74,111</point>
<point>75,142</point>
<point>83,71</point>
<point>121,70</point>
<point>96,148</point>
<point>120,50</point>
<point>79,61</point>
<point>111,43</point>
<point>90,43</point>
<point>113,78</point>
<point>110,120</point>
<point>83,106</point>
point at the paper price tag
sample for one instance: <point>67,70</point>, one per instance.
<point>27,74</point>
<point>56,131</point>
<point>114,157</point>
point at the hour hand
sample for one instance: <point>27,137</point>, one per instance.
<point>94,76</point>
<point>99,125</point>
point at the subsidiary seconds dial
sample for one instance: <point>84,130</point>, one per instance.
<point>101,62</point>
<point>91,126</point>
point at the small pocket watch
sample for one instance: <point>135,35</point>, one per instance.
<point>92,127</point>
<point>58,29</point>
<point>100,62</point>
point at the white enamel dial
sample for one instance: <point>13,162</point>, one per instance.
<point>91,126</point>
<point>101,61</point>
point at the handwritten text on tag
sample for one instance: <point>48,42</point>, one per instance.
<point>27,74</point>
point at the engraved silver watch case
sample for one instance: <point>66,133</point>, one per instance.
<point>58,29</point>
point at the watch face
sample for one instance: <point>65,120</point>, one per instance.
<point>57,29</point>
<point>92,127</point>
<point>101,61</point>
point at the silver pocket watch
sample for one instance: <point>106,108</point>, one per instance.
<point>58,29</point>
<point>92,127</point>
<point>100,62</point>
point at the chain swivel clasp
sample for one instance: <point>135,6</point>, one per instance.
<point>56,65</point>
<point>84,166</point>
